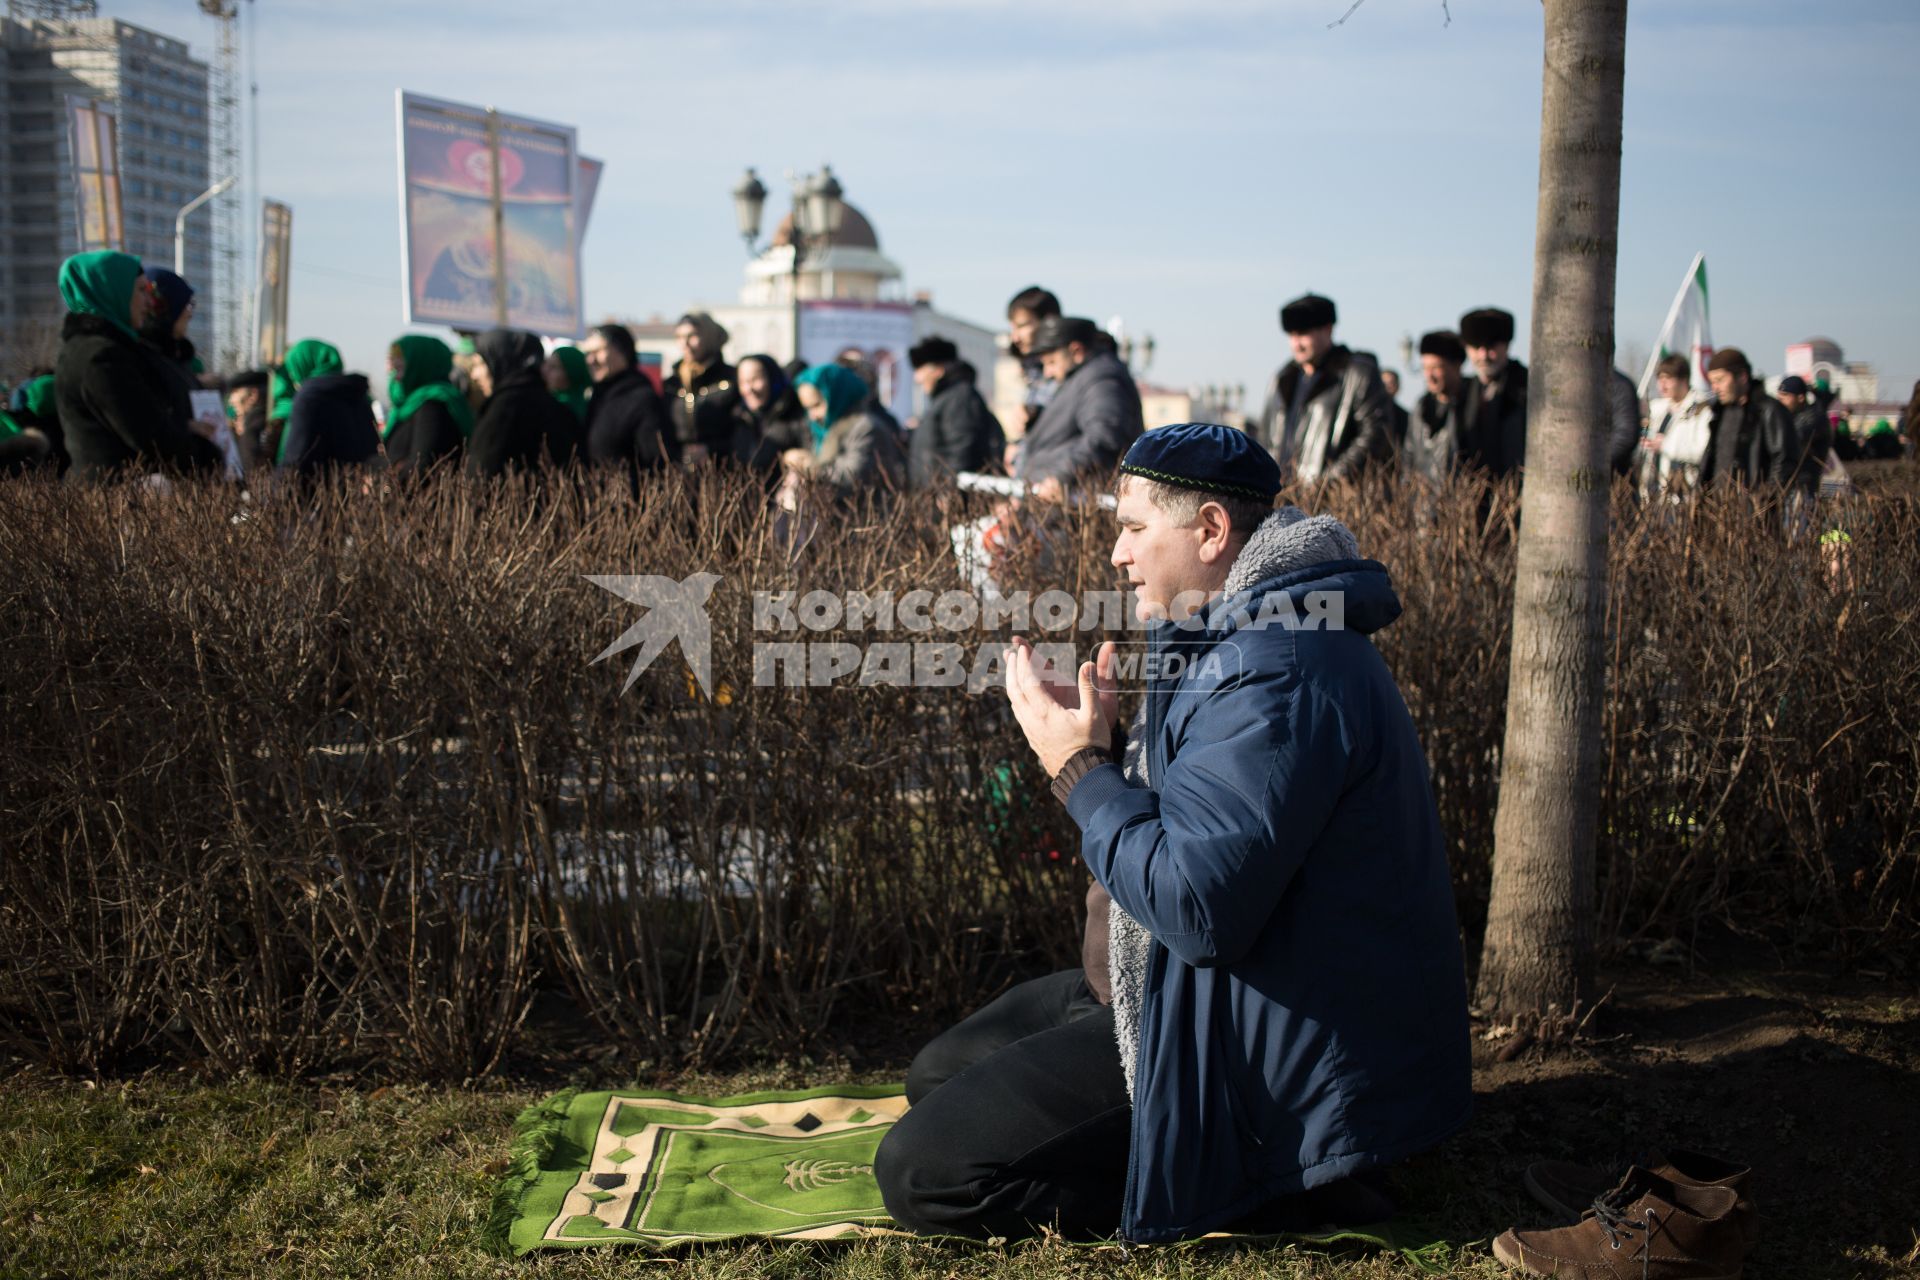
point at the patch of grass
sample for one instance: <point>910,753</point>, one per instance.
<point>164,1178</point>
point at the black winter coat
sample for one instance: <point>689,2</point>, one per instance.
<point>1767,449</point>
<point>331,425</point>
<point>627,425</point>
<point>1088,425</point>
<point>1344,422</point>
<point>1496,428</point>
<point>958,432</point>
<point>121,407</point>
<point>702,406</point>
<point>1813,433</point>
<point>428,436</point>
<point>522,426</point>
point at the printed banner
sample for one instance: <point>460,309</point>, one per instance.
<point>454,218</point>
<point>270,294</point>
<point>93,140</point>
<point>880,331</point>
<point>587,188</point>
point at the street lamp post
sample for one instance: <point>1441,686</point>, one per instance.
<point>180,222</point>
<point>817,213</point>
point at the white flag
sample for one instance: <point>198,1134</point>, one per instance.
<point>1686,331</point>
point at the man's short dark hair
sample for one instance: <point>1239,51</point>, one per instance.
<point>1675,367</point>
<point>620,338</point>
<point>1731,360</point>
<point>254,378</point>
<point>1035,301</point>
<point>1244,515</point>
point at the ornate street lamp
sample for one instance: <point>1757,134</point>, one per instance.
<point>818,210</point>
<point>749,200</point>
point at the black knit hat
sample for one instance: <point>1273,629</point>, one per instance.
<point>1486,326</point>
<point>1205,456</point>
<point>1444,343</point>
<point>1308,312</point>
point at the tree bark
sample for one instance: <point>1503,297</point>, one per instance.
<point>1538,953</point>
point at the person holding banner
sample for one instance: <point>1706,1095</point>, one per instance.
<point>119,408</point>
<point>428,419</point>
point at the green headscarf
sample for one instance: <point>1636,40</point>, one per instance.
<point>578,380</point>
<point>101,284</point>
<point>425,363</point>
<point>307,358</point>
<point>840,387</point>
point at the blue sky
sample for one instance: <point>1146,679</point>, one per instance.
<point>1187,167</point>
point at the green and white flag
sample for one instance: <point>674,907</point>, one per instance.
<point>1686,331</point>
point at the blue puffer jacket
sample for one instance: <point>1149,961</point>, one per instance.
<point>1304,1013</point>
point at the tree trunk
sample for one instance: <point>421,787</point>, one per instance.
<point>1539,945</point>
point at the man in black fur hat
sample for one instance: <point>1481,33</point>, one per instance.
<point>1437,428</point>
<point>1328,413</point>
<point>1495,397</point>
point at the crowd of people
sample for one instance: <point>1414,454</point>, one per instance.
<point>1207,1066</point>
<point>120,401</point>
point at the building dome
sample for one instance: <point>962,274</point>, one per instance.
<point>855,231</point>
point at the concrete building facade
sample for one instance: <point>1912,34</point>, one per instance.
<point>159,93</point>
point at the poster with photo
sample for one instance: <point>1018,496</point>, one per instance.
<point>880,331</point>
<point>453,219</point>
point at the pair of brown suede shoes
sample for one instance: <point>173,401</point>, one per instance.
<point>1687,1217</point>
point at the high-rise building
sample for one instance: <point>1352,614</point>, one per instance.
<point>159,93</point>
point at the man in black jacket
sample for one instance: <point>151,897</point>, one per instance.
<point>627,423</point>
<point>1093,417</point>
<point>1496,396</point>
<point>701,391</point>
<point>1751,440</point>
<point>1436,425</point>
<point>1328,413</point>
<point>1813,433</point>
<point>957,432</point>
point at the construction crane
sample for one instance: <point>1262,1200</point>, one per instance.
<point>230,329</point>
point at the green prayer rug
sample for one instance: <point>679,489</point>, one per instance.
<point>659,1170</point>
<point>662,1170</point>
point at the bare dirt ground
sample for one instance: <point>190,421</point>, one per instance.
<point>1812,1080</point>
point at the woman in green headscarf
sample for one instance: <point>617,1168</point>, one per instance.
<point>119,410</point>
<point>429,418</point>
<point>30,435</point>
<point>565,371</point>
<point>306,359</point>
<point>852,451</point>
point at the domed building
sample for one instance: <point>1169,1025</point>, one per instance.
<point>851,296</point>
<point>850,265</point>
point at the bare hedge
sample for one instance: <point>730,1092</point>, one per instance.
<point>317,783</point>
